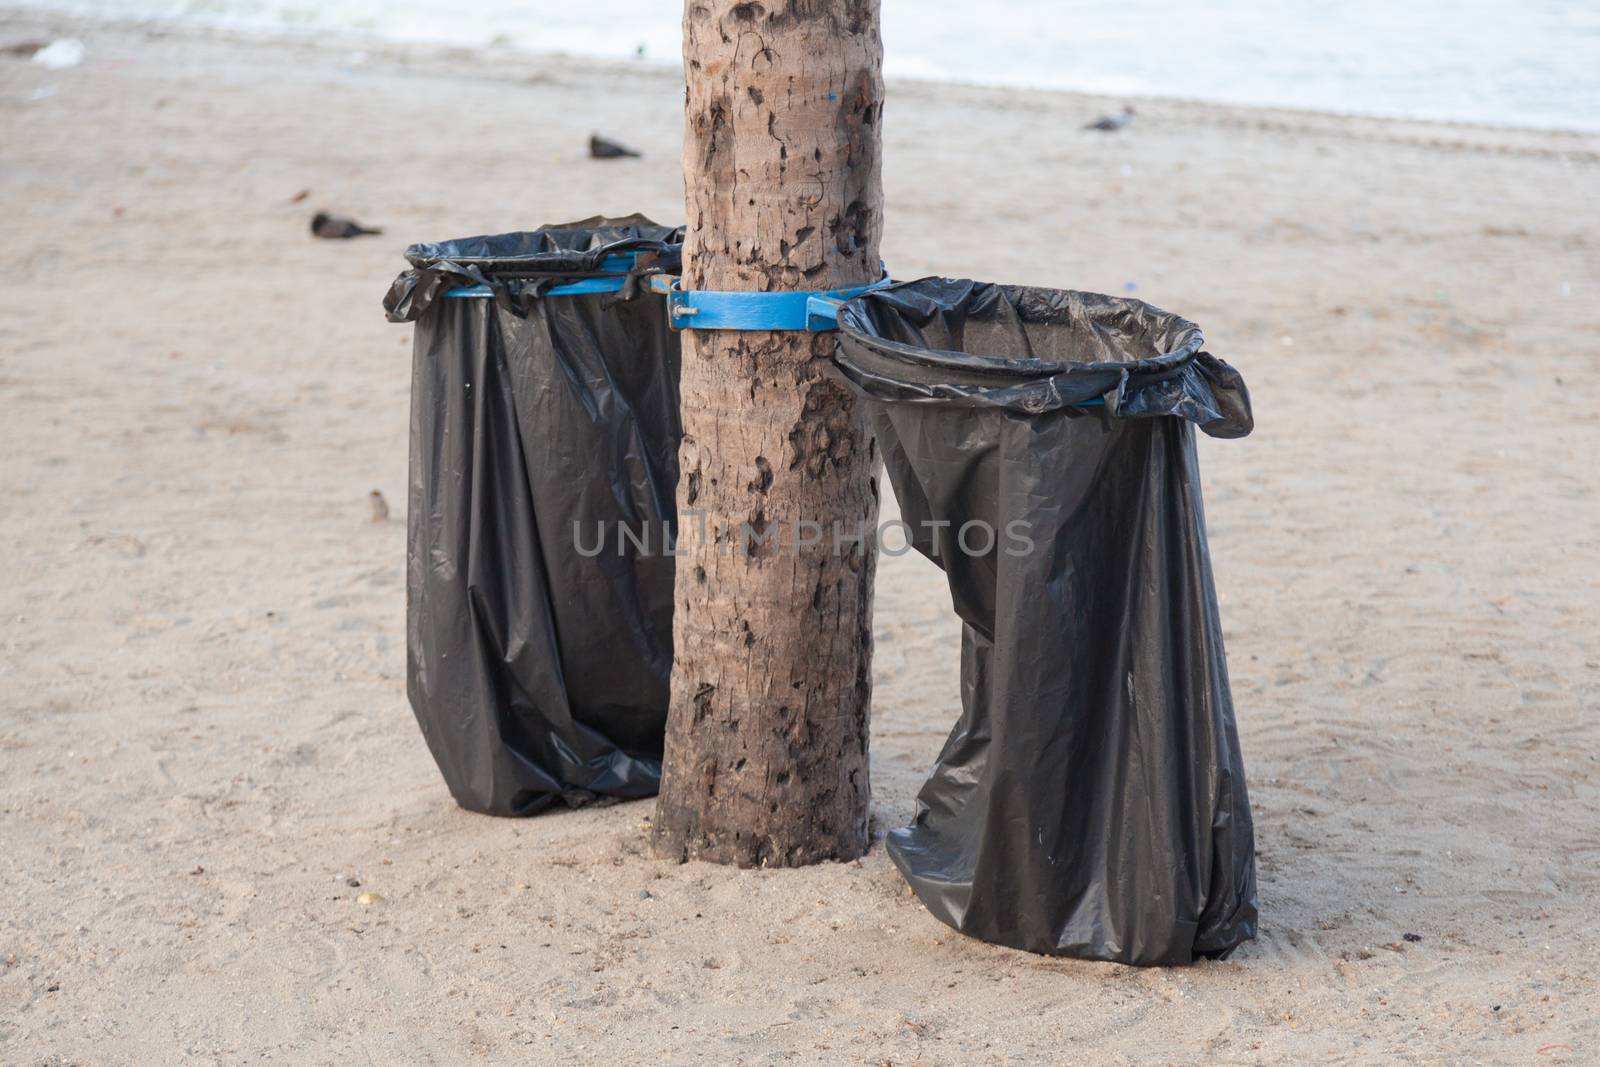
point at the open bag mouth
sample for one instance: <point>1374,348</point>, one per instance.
<point>563,246</point>
<point>1033,351</point>
<point>567,258</point>
<point>1002,334</point>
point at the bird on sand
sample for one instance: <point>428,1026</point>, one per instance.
<point>1112,123</point>
<point>337,226</point>
<point>380,506</point>
<point>600,148</point>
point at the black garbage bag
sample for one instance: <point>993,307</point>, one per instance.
<point>544,468</point>
<point>1091,799</point>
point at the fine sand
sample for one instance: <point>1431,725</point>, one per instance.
<point>204,736</point>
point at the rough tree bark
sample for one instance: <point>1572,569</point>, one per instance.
<point>766,751</point>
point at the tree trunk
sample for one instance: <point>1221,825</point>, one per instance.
<point>766,750</point>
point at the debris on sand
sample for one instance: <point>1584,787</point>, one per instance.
<point>600,148</point>
<point>338,227</point>
<point>1112,123</point>
<point>25,49</point>
<point>59,55</point>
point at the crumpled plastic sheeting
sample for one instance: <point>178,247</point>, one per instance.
<point>1090,800</point>
<point>527,263</point>
<point>537,673</point>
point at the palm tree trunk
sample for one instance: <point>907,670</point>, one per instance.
<point>766,751</point>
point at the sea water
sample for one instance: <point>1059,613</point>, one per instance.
<point>1501,62</point>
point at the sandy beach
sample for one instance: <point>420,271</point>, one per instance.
<point>206,755</point>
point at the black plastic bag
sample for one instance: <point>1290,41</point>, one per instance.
<point>544,469</point>
<point>1091,799</point>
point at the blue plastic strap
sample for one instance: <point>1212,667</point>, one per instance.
<point>708,309</point>
<point>616,266</point>
<point>618,263</point>
<point>577,288</point>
